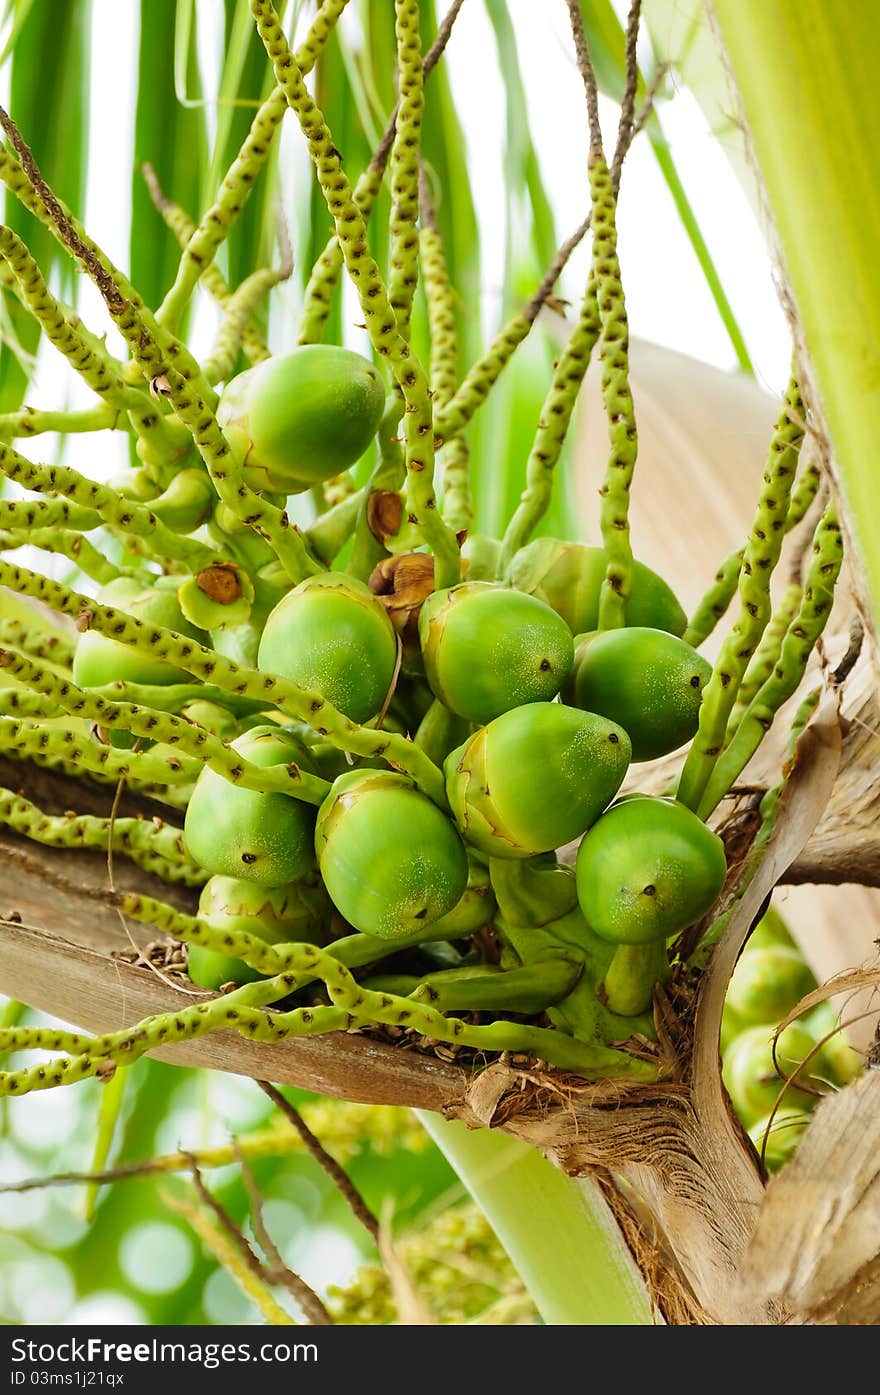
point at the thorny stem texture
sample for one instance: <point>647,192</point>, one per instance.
<point>387,340</point>
<point>760,558</point>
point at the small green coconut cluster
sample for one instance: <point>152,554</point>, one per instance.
<point>473,678</point>
<point>778,1065</point>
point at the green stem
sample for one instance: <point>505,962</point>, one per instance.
<point>631,975</point>
<point>781,683</point>
<point>713,605</point>
<point>112,1095</point>
<point>404,247</point>
<point>379,316</point>
<point>216,224</point>
<point>760,558</point>
<point>558,1231</point>
<point>183,227</point>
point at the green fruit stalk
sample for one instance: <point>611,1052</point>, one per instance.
<point>761,555</point>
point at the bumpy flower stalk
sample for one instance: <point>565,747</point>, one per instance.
<point>378,314</point>
<point>169,730</point>
<point>91,354</point>
<point>454,416</point>
<point>325,273</point>
<point>130,517</point>
<point>67,544</point>
<point>179,381</point>
<point>553,425</point>
<point>404,238</point>
<point>216,224</point>
<point>18,702</point>
<point>33,421</point>
<point>33,740</point>
<point>324,276</point>
<point>241,1011</point>
<point>457,510</point>
<point>92,368</point>
<point>572,366</point>
<point>797,646</point>
<point>220,364</point>
<point>165,1030</point>
<point>307,706</point>
<point>16,179</point>
<point>35,514</point>
<point>155,846</point>
<point>183,226</point>
<point>761,555</point>
<point>290,965</point>
<point>54,647</point>
<point>175,796</point>
<point>713,605</point>
<point>480,379</point>
<point>617,396</point>
<point>766,656</point>
<point>174,697</point>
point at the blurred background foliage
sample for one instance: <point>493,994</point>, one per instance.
<point>189,89</point>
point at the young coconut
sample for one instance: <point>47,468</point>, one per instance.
<point>647,680</point>
<point>297,914</point>
<point>300,418</point>
<point>242,833</point>
<point>767,983</point>
<point>487,649</point>
<point>568,576</point>
<point>391,861</point>
<point>330,635</point>
<point>645,871</point>
<point>754,1080</point>
<point>535,778</point>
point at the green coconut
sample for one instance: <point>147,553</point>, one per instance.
<point>302,417</point>
<point>391,860</point>
<point>246,834</point>
<point>487,648</point>
<point>535,778</point>
<point>330,635</point>
<point>648,681</point>
<point>648,869</point>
